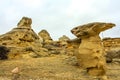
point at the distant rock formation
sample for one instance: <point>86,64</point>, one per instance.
<point>112,48</point>
<point>64,38</point>
<point>25,22</point>
<point>45,36</point>
<point>74,42</point>
<point>63,44</point>
<point>111,44</point>
<point>23,41</point>
<point>48,43</point>
<point>91,52</point>
<point>72,46</point>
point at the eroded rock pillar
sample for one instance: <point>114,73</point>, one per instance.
<point>91,51</point>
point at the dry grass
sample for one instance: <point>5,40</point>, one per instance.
<point>59,67</point>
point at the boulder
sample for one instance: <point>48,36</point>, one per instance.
<point>91,53</point>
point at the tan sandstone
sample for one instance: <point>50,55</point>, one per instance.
<point>45,36</point>
<point>22,41</point>
<point>91,51</point>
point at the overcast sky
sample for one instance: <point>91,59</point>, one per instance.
<point>58,17</point>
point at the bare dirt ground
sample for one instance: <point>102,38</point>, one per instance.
<point>58,67</point>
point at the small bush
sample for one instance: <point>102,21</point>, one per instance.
<point>29,49</point>
<point>3,52</point>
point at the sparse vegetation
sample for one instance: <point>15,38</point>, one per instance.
<point>3,52</point>
<point>58,67</point>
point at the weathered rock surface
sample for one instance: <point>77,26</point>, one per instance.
<point>64,45</point>
<point>53,47</point>
<point>45,36</point>
<point>91,52</point>
<point>111,44</point>
<point>22,40</point>
<point>64,38</point>
<point>112,48</point>
<point>72,46</point>
<point>113,54</point>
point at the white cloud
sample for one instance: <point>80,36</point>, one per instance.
<point>58,16</point>
<point>81,7</point>
<point>31,3</point>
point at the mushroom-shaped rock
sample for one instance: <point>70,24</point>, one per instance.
<point>91,52</point>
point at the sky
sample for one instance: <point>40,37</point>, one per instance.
<point>58,17</point>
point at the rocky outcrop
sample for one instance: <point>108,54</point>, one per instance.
<point>23,41</point>
<point>53,47</point>
<point>113,55</point>
<point>25,22</point>
<point>76,42</point>
<point>91,52</point>
<point>111,44</point>
<point>64,38</point>
<point>72,46</point>
<point>45,36</point>
<point>112,49</point>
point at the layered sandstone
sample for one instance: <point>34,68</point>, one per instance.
<point>112,49</point>
<point>111,43</point>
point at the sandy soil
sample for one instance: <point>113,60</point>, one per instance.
<point>59,67</point>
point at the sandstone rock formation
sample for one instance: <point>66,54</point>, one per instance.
<point>48,43</point>
<point>74,43</point>
<point>63,44</point>
<point>45,36</point>
<point>112,48</point>
<point>72,46</point>
<point>91,52</point>
<point>53,47</point>
<point>111,44</point>
<point>64,38</point>
<point>113,55</point>
<point>22,41</point>
<point>25,22</point>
